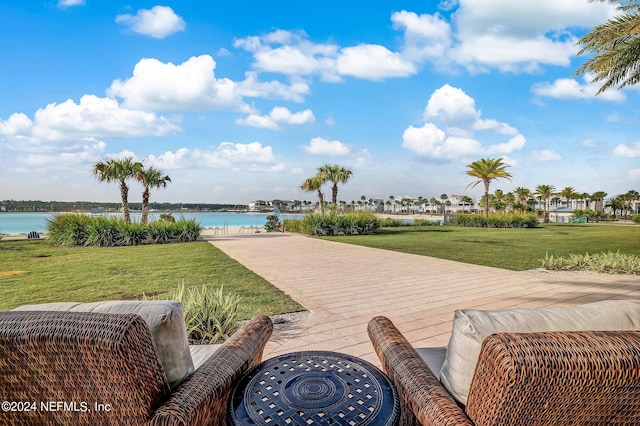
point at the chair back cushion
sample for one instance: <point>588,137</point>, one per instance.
<point>165,319</point>
<point>557,378</point>
<point>78,368</point>
<point>471,327</point>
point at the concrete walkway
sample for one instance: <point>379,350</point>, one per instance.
<point>344,286</point>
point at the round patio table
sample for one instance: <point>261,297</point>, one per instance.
<point>314,387</point>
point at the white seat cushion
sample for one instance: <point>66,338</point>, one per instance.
<point>434,358</point>
<point>201,353</point>
<point>471,327</point>
<point>166,322</point>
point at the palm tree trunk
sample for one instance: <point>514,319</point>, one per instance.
<point>486,198</point>
<point>334,193</point>
<point>124,194</point>
<point>321,202</point>
<point>145,206</point>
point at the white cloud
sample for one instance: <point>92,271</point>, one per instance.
<point>631,151</point>
<point>68,126</point>
<point>461,121</point>
<point>568,88</point>
<point>276,116</point>
<point>372,62</point>
<point>233,156</point>
<point>251,87</point>
<point>158,22</point>
<point>69,3</point>
<point>546,155</point>
<point>634,175</point>
<point>426,37</point>
<point>321,146</point>
<point>520,36</point>
<point>190,86</point>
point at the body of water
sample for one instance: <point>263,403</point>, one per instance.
<point>22,223</point>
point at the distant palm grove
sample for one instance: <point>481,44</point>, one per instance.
<point>543,198</point>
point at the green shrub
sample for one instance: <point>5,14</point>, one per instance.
<point>529,220</point>
<point>292,225</point>
<point>210,315</point>
<point>359,223</point>
<point>389,222</point>
<point>110,231</point>
<point>636,218</point>
<point>610,262</point>
<point>272,223</point>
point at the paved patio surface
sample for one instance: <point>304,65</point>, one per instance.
<point>344,286</point>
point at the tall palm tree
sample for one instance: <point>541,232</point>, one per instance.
<point>114,170</point>
<point>598,197</point>
<point>545,192</point>
<point>335,174</point>
<point>150,177</point>
<point>315,184</point>
<point>614,45</point>
<point>486,170</point>
<point>569,194</point>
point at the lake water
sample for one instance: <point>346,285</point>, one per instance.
<point>22,223</point>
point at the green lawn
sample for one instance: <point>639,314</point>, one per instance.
<point>515,249</point>
<point>36,272</point>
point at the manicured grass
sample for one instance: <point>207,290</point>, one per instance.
<point>516,249</point>
<point>36,272</point>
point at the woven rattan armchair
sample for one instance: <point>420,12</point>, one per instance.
<point>76,368</point>
<point>548,378</point>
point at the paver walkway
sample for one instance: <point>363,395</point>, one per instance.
<point>344,286</point>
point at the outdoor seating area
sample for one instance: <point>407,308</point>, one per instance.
<point>118,363</point>
<point>129,362</point>
<point>551,366</point>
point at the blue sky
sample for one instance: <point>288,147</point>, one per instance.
<point>238,101</point>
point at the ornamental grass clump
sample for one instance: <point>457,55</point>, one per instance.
<point>360,223</point>
<point>498,220</point>
<point>610,263</point>
<point>210,314</point>
<point>110,231</point>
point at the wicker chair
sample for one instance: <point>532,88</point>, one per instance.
<point>102,369</point>
<point>547,378</point>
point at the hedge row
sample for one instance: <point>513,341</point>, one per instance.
<point>359,223</point>
<point>498,220</point>
<point>84,230</point>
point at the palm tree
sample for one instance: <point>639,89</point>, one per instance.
<point>315,184</point>
<point>614,45</point>
<point>466,200</point>
<point>486,170</point>
<point>150,178</point>
<point>545,192</point>
<point>598,197</point>
<point>336,174</point>
<point>111,169</point>
<point>569,194</point>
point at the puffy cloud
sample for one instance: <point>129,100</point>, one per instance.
<point>321,146</point>
<point>158,22</point>
<point>276,116</point>
<point>67,125</point>
<point>190,86</point>
<point>631,151</point>
<point>293,54</point>
<point>546,155</point>
<point>568,88</point>
<point>520,36</point>
<point>373,62</point>
<point>460,120</point>
<point>634,175</point>
<point>234,156</point>
<point>251,87</point>
<point>426,37</point>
